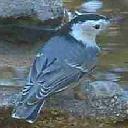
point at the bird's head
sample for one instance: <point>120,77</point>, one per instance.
<point>86,27</point>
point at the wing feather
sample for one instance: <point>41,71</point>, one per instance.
<point>40,85</point>
<point>59,84</point>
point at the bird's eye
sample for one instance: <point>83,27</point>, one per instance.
<point>97,26</point>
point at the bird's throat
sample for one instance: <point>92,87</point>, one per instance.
<point>87,39</point>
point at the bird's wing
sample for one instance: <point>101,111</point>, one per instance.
<point>46,77</point>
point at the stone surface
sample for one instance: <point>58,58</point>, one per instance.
<point>43,9</point>
<point>105,100</point>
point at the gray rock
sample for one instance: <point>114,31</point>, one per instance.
<point>102,89</point>
<point>46,9</point>
<point>42,9</point>
<point>23,20</point>
<point>107,100</point>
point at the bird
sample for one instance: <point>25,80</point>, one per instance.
<point>63,60</point>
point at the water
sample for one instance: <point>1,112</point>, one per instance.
<point>115,48</point>
<point>113,66</point>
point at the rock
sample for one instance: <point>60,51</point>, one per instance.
<point>42,9</point>
<point>29,21</point>
<point>103,89</point>
<point>48,9</point>
<point>8,96</point>
<point>107,100</point>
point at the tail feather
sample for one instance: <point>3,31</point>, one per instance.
<point>33,116</point>
<point>28,112</point>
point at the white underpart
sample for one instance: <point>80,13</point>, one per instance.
<point>86,33</point>
<point>87,39</point>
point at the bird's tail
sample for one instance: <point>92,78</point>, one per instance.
<point>27,112</point>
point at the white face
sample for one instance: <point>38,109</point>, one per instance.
<point>94,27</point>
<point>87,31</point>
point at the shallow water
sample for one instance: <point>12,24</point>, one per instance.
<point>16,57</point>
<point>115,45</point>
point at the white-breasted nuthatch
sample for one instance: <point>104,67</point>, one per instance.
<point>64,59</point>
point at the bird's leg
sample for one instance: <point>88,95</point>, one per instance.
<point>78,93</point>
<point>79,89</point>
